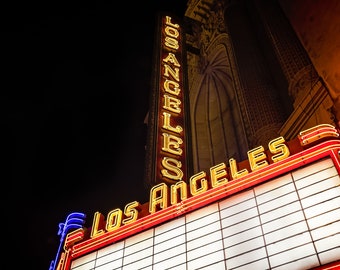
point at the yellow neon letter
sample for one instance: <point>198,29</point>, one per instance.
<point>171,58</point>
<point>278,147</point>
<point>114,219</point>
<point>172,165</point>
<point>171,42</point>
<point>196,188</point>
<point>174,89</point>
<point>172,104</point>
<point>182,187</point>
<point>257,158</point>
<point>166,124</point>
<point>98,225</point>
<point>171,31</point>
<point>171,144</point>
<point>131,212</point>
<point>158,198</point>
<point>217,174</point>
<point>233,169</point>
<point>168,22</point>
<point>169,70</point>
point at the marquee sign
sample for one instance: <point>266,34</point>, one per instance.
<point>169,202</point>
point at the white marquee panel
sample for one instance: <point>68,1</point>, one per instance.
<point>292,222</point>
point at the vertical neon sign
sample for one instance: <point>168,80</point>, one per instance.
<point>171,164</point>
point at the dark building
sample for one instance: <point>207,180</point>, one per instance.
<point>243,147</point>
<point>249,78</point>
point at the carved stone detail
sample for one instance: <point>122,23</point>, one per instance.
<point>302,83</point>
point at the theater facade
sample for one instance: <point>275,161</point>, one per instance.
<point>280,209</point>
<point>242,161</point>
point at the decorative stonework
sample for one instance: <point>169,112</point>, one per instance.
<point>302,83</point>
<point>208,23</point>
<point>263,135</point>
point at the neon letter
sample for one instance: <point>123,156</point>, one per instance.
<point>166,124</point>
<point>257,158</point>
<point>278,147</point>
<point>196,188</point>
<point>172,165</point>
<point>233,169</point>
<point>114,219</point>
<point>172,104</point>
<point>158,197</point>
<point>171,144</point>
<point>131,212</point>
<point>182,187</point>
<point>97,225</point>
<point>217,174</point>
<point>173,90</point>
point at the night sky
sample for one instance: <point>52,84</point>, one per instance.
<point>75,90</point>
